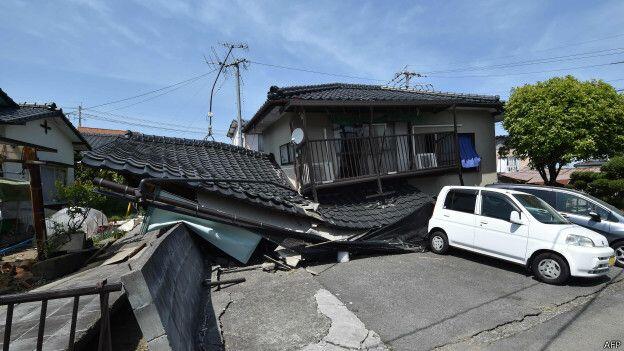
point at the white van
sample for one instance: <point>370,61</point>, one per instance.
<point>520,228</point>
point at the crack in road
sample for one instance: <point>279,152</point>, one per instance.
<point>221,322</point>
<point>529,320</point>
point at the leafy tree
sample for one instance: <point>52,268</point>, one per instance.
<point>564,119</point>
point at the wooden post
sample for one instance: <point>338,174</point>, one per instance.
<point>36,196</point>
<point>457,154</point>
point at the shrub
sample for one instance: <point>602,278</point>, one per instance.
<point>614,168</point>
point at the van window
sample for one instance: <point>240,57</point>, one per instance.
<point>462,200</point>
<point>577,205</point>
<point>548,196</point>
<point>496,205</point>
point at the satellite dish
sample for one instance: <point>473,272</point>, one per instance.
<point>297,136</point>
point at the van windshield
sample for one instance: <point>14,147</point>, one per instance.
<point>539,209</point>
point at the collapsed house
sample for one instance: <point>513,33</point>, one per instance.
<point>233,197</point>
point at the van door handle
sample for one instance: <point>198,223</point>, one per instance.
<point>483,222</point>
<point>446,215</point>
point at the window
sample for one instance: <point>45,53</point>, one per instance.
<point>577,205</point>
<point>548,196</point>
<point>496,205</point>
<point>540,209</point>
<point>461,200</point>
<point>287,154</point>
<point>50,175</point>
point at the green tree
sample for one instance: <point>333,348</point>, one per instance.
<point>564,119</point>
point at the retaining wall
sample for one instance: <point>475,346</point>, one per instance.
<point>165,291</point>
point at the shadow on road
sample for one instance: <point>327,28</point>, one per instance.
<point>519,269</point>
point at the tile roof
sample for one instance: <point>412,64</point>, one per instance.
<point>25,113</point>
<point>97,137</point>
<point>167,157</point>
<point>533,176</point>
<point>356,208</point>
<point>5,100</point>
<point>358,94</point>
<point>361,92</point>
<point>12,113</point>
<point>104,131</point>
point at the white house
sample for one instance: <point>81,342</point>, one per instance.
<point>46,129</point>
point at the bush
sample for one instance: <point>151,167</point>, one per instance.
<point>580,179</point>
<point>608,185</point>
<point>614,168</point>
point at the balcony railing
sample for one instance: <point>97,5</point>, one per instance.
<point>329,161</point>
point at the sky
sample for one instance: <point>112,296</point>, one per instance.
<point>92,52</point>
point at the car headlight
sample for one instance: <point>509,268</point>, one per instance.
<point>579,240</point>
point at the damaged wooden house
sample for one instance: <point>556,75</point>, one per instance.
<point>333,167</point>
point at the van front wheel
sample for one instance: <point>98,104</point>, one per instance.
<point>438,242</point>
<point>551,268</point>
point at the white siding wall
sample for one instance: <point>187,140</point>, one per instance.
<point>32,132</point>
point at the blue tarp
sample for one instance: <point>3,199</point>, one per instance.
<point>467,152</point>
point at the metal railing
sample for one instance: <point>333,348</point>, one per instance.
<point>337,160</point>
<point>101,289</point>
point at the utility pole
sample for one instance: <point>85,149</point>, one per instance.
<point>80,115</point>
<point>239,118</point>
<point>406,76</point>
<point>222,65</point>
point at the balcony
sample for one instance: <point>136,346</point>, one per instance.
<point>331,162</point>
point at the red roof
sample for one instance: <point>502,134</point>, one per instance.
<point>533,177</point>
<point>89,130</point>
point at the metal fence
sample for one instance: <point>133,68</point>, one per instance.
<point>101,289</point>
<point>335,160</point>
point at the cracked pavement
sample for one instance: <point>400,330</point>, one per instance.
<point>422,301</point>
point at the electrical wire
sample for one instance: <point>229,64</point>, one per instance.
<point>125,117</point>
<point>543,50</point>
<point>533,72</point>
<point>156,96</point>
<point>317,72</point>
<point>152,126</point>
<point>153,91</point>
<point>572,57</point>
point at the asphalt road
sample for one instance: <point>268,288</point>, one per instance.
<point>465,301</point>
<point>422,301</point>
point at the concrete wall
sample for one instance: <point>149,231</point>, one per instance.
<point>469,120</point>
<point>166,293</point>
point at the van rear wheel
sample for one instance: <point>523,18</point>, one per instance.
<point>551,268</point>
<point>438,242</point>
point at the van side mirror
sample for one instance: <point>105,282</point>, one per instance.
<point>594,216</point>
<point>514,218</point>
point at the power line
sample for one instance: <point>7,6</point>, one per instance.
<point>153,91</point>
<point>543,50</point>
<point>571,57</point>
<point>152,126</point>
<point>533,72</point>
<point>317,72</point>
<point>159,95</point>
<point>125,117</point>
